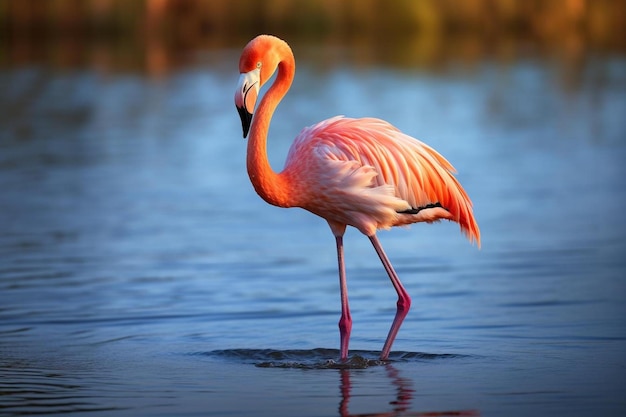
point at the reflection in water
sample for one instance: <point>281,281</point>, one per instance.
<point>401,404</point>
<point>318,360</point>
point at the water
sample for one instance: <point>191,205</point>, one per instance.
<point>140,275</point>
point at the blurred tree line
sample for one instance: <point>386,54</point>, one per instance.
<point>32,28</point>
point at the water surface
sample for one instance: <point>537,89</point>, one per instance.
<point>141,275</point>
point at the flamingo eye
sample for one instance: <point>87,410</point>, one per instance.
<point>258,64</point>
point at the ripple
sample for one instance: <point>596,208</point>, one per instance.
<point>32,391</point>
<point>321,358</point>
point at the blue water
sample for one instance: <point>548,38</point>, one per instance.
<point>140,274</point>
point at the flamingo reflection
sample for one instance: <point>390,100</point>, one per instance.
<point>402,403</point>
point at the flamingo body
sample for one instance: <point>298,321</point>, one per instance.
<point>367,174</point>
<point>363,173</point>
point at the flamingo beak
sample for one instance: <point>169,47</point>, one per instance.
<point>246,96</point>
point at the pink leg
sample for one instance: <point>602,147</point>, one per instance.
<point>404,301</point>
<point>345,323</point>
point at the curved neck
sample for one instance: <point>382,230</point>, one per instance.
<point>267,183</point>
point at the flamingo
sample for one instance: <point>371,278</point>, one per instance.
<point>362,172</point>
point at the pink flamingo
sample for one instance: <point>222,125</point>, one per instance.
<point>359,172</point>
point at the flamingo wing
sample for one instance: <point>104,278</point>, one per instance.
<point>396,175</point>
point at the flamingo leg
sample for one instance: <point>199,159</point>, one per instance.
<point>345,322</point>
<point>404,301</point>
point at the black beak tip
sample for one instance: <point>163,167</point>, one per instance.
<point>246,120</point>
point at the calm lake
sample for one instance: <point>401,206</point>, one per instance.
<point>140,274</point>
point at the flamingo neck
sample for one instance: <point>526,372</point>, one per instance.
<point>271,186</point>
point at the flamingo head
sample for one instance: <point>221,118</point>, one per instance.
<point>257,64</point>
